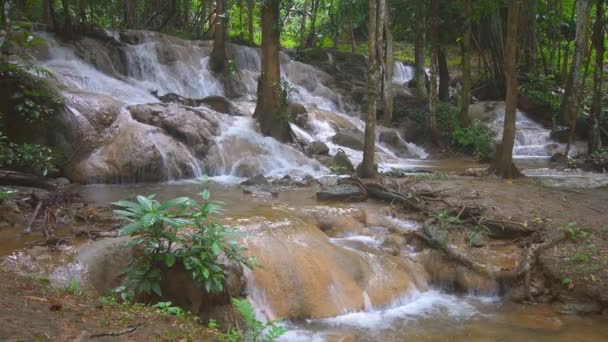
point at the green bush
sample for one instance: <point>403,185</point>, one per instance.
<point>477,138</point>
<point>541,88</point>
<point>30,158</point>
<point>176,231</point>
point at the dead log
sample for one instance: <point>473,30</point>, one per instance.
<point>25,179</point>
<point>505,229</point>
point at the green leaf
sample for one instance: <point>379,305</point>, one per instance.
<point>148,220</point>
<point>216,248</point>
<point>174,202</point>
<point>145,202</point>
<point>170,260</point>
<point>156,289</point>
<point>206,195</point>
<point>131,228</point>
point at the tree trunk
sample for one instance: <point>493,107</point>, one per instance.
<point>6,22</point>
<point>595,141</point>
<point>503,163</point>
<point>219,55</point>
<point>389,66</point>
<point>531,37</point>
<point>419,72</point>
<point>444,76</point>
<point>46,12</point>
<point>303,21</point>
<point>569,105</point>
<point>250,21</point>
<point>68,30</point>
<point>270,110</point>
<point>368,169</point>
<point>466,66</point>
<point>130,8</point>
<point>434,61</point>
<point>312,35</point>
<point>353,41</point>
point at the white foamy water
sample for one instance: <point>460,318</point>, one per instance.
<point>403,73</point>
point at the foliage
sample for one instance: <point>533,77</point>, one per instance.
<point>541,88</point>
<point>477,137</point>
<point>167,308</point>
<point>573,232</point>
<point>75,288</point>
<point>257,331</point>
<point>178,231</point>
<point>32,158</point>
<point>5,193</point>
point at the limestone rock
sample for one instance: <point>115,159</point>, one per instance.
<point>351,138</point>
<point>318,148</point>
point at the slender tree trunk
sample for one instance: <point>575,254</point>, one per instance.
<point>434,62</point>
<point>444,76</point>
<point>270,110</point>
<point>531,37</point>
<point>250,21</point>
<point>595,141</point>
<point>569,105</point>
<point>311,41</point>
<point>503,164</point>
<point>353,40</point>
<point>389,68</point>
<point>466,65</point>
<point>420,73</point>
<point>68,30</point>
<point>219,55</point>
<point>46,12</point>
<point>368,169</point>
<point>130,9</point>
<point>6,22</point>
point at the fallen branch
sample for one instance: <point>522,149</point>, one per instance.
<point>24,179</point>
<point>115,333</point>
<point>409,200</point>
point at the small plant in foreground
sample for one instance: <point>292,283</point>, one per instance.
<point>4,193</point>
<point>573,232</point>
<point>258,331</point>
<point>167,308</point>
<point>177,231</point>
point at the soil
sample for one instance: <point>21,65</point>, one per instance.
<point>575,271</point>
<point>32,310</point>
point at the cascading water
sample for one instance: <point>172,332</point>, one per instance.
<point>403,73</point>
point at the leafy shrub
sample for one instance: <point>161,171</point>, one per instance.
<point>4,193</point>
<point>541,88</point>
<point>477,137</point>
<point>176,231</point>
<point>258,331</point>
<point>31,158</point>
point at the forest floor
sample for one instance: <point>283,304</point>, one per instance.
<point>578,266</point>
<point>32,310</point>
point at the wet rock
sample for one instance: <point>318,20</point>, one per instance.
<point>589,307</point>
<point>342,192</point>
<point>318,148</point>
<point>257,180</point>
<point>221,104</point>
<point>341,164</point>
<point>328,180</point>
<point>559,159</point>
<point>560,134</point>
<point>193,127</point>
<point>303,271</point>
<point>351,138</point>
<point>392,138</point>
<point>295,110</point>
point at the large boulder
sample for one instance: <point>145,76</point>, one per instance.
<point>221,104</point>
<point>317,148</point>
<point>341,164</point>
<point>351,138</point>
<point>193,127</point>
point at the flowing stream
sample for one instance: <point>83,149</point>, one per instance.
<point>353,287</point>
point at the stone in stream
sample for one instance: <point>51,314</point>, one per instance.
<point>342,192</point>
<point>341,164</point>
<point>10,215</point>
<point>318,148</point>
<point>392,138</point>
<point>352,138</point>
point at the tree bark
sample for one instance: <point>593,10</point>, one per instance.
<point>569,105</point>
<point>434,62</point>
<point>130,9</point>
<point>270,110</point>
<point>353,40</point>
<point>531,37</point>
<point>444,76</point>
<point>68,30</point>
<point>219,55</point>
<point>595,141</point>
<point>46,12</point>
<point>466,66</point>
<point>311,41</point>
<point>250,21</point>
<point>503,163</point>
<point>389,66</point>
<point>420,73</point>
<point>368,169</point>
<point>6,21</point>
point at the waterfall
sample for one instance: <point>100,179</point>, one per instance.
<point>403,73</point>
